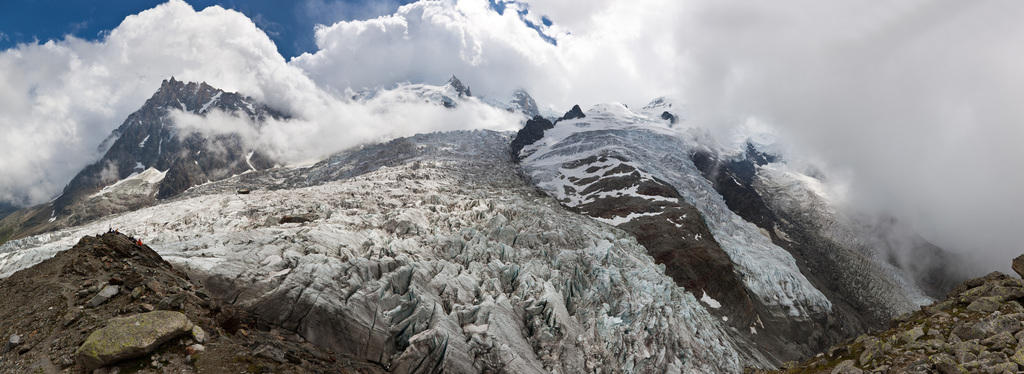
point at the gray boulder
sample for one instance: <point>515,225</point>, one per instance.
<point>846,367</point>
<point>130,337</point>
<point>1018,265</point>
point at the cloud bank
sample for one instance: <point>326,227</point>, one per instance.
<point>62,98</point>
<point>912,103</point>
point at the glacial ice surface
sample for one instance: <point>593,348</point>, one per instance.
<point>441,258</point>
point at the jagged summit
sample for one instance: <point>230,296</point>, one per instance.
<point>149,154</point>
<point>573,113</point>
<point>522,102</point>
<point>201,98</point>
<point>461,89</point>
<point>149,138</point>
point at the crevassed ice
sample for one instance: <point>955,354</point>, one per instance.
<point>459,237</point>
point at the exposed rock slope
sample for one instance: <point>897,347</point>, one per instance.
<point>68,313</point>
<point>978,328</point>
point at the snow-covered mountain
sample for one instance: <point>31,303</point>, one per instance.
<point>606,238</point>
<point>149,157</point>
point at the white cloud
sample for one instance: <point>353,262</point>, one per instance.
<point>617,57</point>
<point>332,125</point>
<point>914,101</point>
<point>427,42</point>
<point>62,98</point>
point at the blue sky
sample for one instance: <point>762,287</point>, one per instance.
<point>288,23</point>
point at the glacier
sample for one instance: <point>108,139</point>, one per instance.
<point>429,253</point>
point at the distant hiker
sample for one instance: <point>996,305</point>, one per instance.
<point>139,242</point>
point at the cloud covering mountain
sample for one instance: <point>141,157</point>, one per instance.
<point>910,105</point>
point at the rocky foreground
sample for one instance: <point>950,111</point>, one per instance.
<point>978,328</point>
<point>110,305</point>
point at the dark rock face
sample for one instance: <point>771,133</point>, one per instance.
<point>837,268</point>
<point>734,179</point>
<point>573,113</point>
<point>149,138</point>
<point>532,132</point>
<point>459,87</point>
<point>534,129</point>
<point>671,118</point>
<point>818,258</point>
<point>297,219</point>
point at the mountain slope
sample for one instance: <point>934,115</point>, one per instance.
<point>643,173</point>
<point>6,209</point>
<point>975,329</point>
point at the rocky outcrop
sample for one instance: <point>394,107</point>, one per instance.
<point>671,118</point>
<point>163,322</point>
<point>523,103</point>
<point>461,89</point>
<point>1018,265</point>
<point>977,328</point>
<point>574,113</point>
<point>303,218</point>
<point>531,132</point>
<point>535,127</point>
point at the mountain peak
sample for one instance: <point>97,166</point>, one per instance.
<point>148,138</point>
<point>170,84</point>
<point>523,102</point>
<point>573,113</point>
<point>459,87</point>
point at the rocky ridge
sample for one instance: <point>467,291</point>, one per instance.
<point>111,304</point>
<point>977,328</point>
